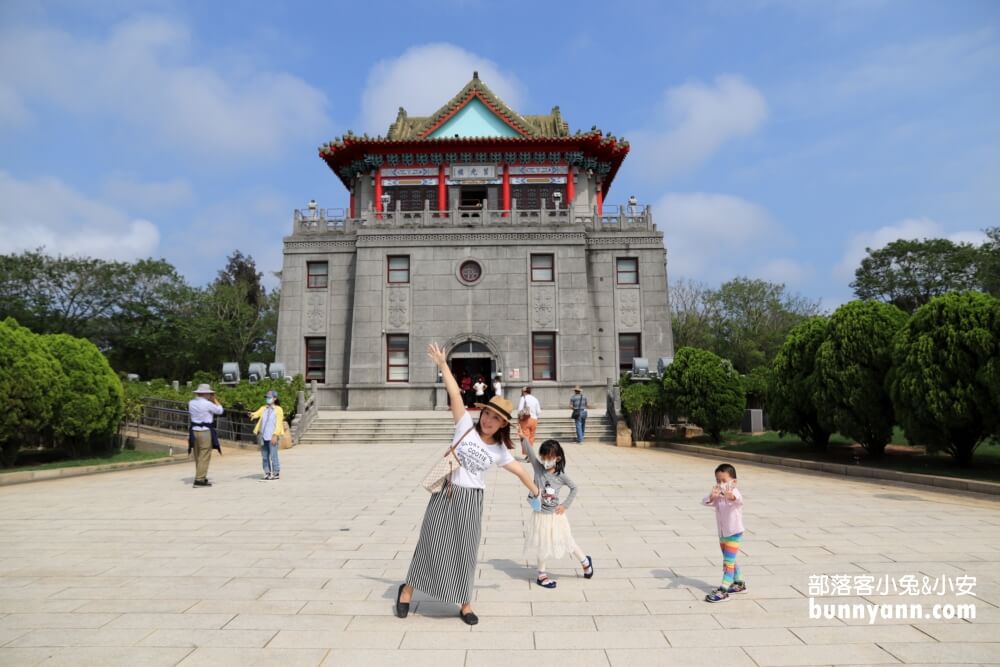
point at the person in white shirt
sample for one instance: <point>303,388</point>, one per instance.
<point>497,387</point>
<point>480,388</point>
<point>528,412</point>
<point>202,437</point>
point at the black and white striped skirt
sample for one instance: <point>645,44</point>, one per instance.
<point>444,562</point>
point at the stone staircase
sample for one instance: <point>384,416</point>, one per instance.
<point>330,428</point>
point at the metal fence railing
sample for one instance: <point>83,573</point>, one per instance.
<point>233,425</point>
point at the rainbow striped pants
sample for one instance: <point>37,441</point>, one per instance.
<point>730,570</point>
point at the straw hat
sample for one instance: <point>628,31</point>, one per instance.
<point>204,389</point>
<point>499,405</point>
<point>577,388</point>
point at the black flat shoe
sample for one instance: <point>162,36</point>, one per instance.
<point>469,619</point>
<point>402,608</point>
<point>590,566</point>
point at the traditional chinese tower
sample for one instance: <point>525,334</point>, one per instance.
<point>486,231</point>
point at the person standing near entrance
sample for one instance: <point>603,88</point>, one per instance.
<point>497,386</point>
<point>466,385</point>
<point>528,412</point>
<point>445,560</point>
<point>270,427</point>
<point>202,438</point>
<point>578,402</point>
<point>480,389</point>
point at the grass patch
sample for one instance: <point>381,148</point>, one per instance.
<point>124,456</point>
<point>900,456</point>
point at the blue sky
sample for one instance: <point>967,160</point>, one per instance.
<point>774,138</point>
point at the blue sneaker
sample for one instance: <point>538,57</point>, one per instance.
<point>718,595</point>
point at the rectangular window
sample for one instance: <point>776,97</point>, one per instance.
<point>629,347</point>
<point>398,358</point>
<point>399,268</point>
<point>317,275</point>
<point>316,360</point>
<point>543,268</point>
<point>543,356</point>
<point>628,270</point>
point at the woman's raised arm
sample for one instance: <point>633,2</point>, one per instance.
<point>437,355</point>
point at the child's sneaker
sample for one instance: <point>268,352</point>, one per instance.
<point>738,587</point>
<point>718,595</point>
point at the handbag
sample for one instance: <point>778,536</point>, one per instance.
<point>439,476</point>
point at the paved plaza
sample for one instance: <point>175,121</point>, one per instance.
<point>138,568</point>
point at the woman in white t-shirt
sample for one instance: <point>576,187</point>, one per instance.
<point>444,562</point>
<point>480,388</point>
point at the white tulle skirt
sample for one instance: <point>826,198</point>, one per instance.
<point>549,536</point>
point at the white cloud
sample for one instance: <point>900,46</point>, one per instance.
<point>46,212</point>
<point>711,237</point>
<point>693,122</point>
<point>144,73</point>
<point>425,77</point>
<point>127,191</point>
<point>909,229</point>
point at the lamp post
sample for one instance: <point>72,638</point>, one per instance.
<point>557,199</point>
<point>385,202</point>
<point>312,209</point>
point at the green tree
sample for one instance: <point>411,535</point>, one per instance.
<point>691,314</point>
<point>643,406</point>
<point>88,409</point>
<point>793,390</point>
<point>989,263</point>
<point>852,365</point>
<point>704,388</point>
<point>30,379</point>
<point>945,381</point>
<point>750,319</point>
<point>909,273</point>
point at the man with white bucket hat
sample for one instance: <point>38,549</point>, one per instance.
<point>202,437</point>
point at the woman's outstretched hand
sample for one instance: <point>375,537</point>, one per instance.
<point>437,354</point>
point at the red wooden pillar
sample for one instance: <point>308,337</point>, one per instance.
<point>570,189</point>
<point>350,210</point>
<point>600,199</point>
<point>442,190</point>
<point>506,188</point>
<point>378,190</point>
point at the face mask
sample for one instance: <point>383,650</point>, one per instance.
<point>269,400</point>
<point>549,464</point>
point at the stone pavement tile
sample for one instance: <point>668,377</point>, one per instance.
<point>199,637</point>
<point>247,607</point>
<point>657,622</point>
<point>468,640</point>
<point>336,639</point>
<point>57,620</point>
<point>483,609</point>
<point>111,656</point>
<point>141,606</point>
<point>799,656</point>
<point>602,640</point>
<point>679,657</point>
<point>592,658</point>
<point>412,623</point>
<point>178,621</point>
<point>340,657</point>
<point>287,622</point>
<point>728,637</point>
<point>562,593</point>
<point>81,637</point>
<point>734,605</point>
<point>677,594</point>
<point>861,634</point>
<point>588,608</point>
<point>962,632</point>
<point>28,593</point>
<point>38,606</point>
<point>254,657</point>
<point>23,657</point>
<point>984,652</point>
<point>9,634</point>
<point>535,624</point>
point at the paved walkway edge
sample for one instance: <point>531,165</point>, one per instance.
<point>9,478</point>
<point>864,472</point>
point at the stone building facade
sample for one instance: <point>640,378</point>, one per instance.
<point>485,231</point>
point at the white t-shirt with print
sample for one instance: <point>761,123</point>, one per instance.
<point>475,456</point>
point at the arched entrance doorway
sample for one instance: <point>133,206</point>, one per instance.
<point>471,358</point>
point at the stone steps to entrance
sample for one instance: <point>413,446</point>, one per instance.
<point>402,427</point>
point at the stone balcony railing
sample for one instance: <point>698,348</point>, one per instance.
<point>612,219</point>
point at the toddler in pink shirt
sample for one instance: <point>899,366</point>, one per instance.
<point>728,503</point>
